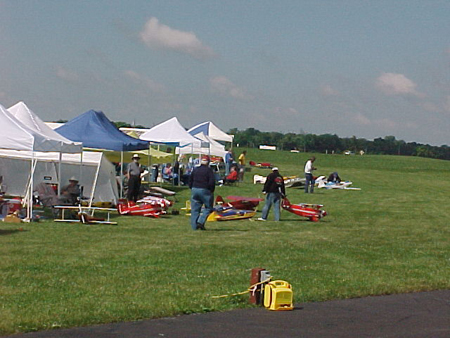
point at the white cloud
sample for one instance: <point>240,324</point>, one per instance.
<point>225,87</point>
<point>447,104</point>
<point>396,84</point>
<point>430,107</point>
<point>384,123</point>
<point>361,119</point>
<point>66,75</point>
<point>145,81</point>
<point>292,111</point>
<point>327,90</point>
<point>284,113</point>
<point>159,36</point>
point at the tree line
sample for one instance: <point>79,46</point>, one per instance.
<point>328,143</point>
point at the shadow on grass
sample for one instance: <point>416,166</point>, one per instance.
<point>296,219</point>
<point>226,229</point>
<point>10,231</point>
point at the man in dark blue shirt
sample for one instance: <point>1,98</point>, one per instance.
<point>202,185</point>
<point>275,190</point>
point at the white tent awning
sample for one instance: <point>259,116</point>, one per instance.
<point>170,132</point>
<point>210,129</point>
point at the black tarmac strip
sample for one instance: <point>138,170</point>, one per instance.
<point>423,314</point>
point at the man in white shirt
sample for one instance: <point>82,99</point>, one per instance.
<point>309,167</point>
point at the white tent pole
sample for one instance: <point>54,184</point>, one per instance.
<point>30,191</point>
<point>173,163</point>
<point>59,174</point>
<point>148,164</point>
<point>94,186</point>
<point>81,166</point>
<point>121,173</point>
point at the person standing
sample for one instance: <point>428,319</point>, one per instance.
<point>228,161</point>
<point>275,190</point>
<point>309,168</point>
<point>241,161</point>
<point>134,178</point>
<point>202,185</point>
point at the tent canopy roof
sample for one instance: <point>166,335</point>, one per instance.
<point>95,130</point>
<point>17,136</point>
<point>209,147</point>
<point>22,113</point>
<point>210,129</point>
<point>170,132</point>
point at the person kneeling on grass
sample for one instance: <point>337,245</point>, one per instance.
<point>275,190</point>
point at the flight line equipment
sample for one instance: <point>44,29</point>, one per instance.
<point>274,295</point>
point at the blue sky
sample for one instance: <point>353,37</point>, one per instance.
<point>363,68</point>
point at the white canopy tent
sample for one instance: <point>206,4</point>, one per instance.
<point>18,136</point>
<point>208,147</point>
<point>95,173</point>
<point>54,125</point>
<point>210,129</point>
<point>170,132</point>
<point>25,115</point>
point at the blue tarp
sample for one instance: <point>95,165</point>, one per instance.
<point>95,130</point>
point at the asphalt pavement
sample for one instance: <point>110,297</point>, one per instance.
<point>423,314</point>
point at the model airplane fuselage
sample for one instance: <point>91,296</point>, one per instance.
<point>312,211</point>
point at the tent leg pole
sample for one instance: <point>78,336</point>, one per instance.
<point>121,174</point>
<point>95,181</point>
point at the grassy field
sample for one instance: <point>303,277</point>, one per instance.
<point>390,237</point>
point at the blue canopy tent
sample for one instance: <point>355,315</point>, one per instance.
<point>96,131</point>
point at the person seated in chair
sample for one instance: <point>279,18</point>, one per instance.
<point>168,172</point>
<point>232,177</point>
<point>71,193</point>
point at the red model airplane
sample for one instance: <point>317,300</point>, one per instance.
<point>149,206</point>
<point>311,211</point>
<point>261,165</point>
<point>239,202</point>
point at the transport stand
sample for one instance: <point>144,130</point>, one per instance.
<point>85,214</point>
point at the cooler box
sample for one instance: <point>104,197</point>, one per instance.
<point>278,296</point>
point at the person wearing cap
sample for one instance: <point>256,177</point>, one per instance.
<point>309,167</point>
<point>274,190</point>
<point>202,185</point>
<point>71,192</point>
<point>134,178</point>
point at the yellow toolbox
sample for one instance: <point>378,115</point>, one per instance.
<point>278,296</point>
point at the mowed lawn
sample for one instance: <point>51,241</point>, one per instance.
<point>390,237</point>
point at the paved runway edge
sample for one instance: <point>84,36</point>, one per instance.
<point>422,314</point>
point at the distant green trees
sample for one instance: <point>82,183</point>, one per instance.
<point>331,143</point>
<point>120,124</point>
